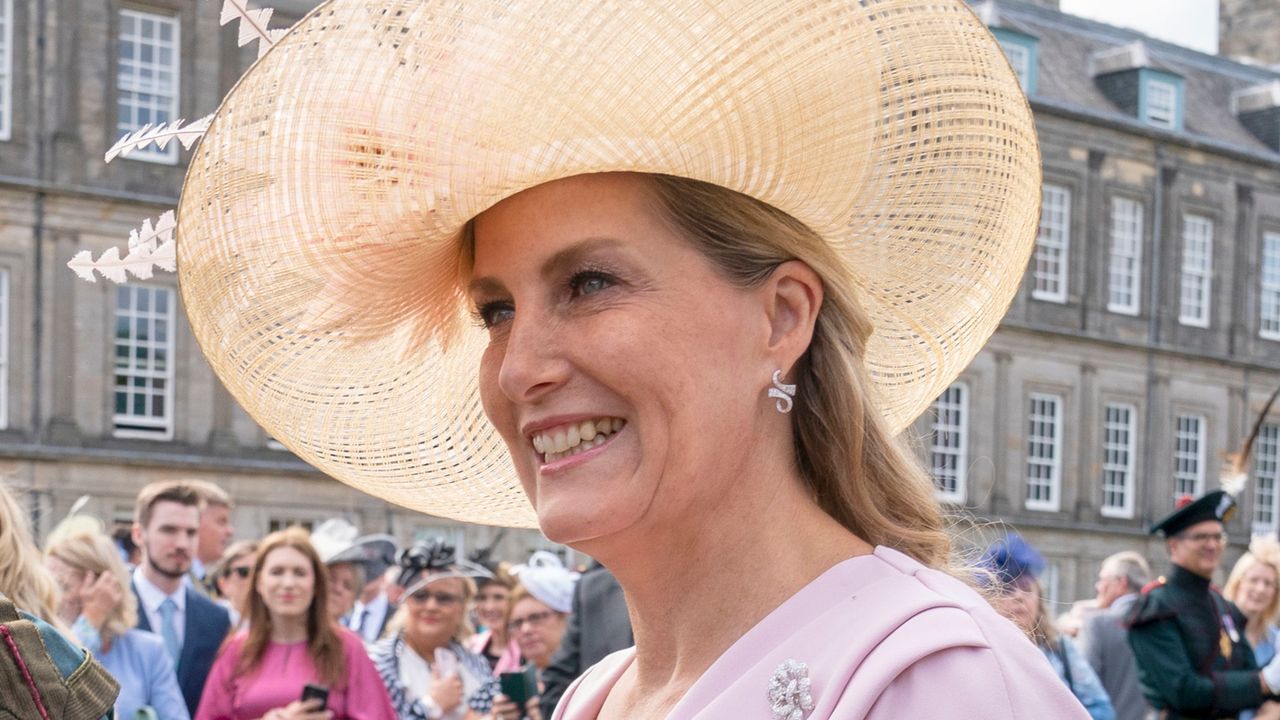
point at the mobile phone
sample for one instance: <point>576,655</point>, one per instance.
<point>520,686</point>
<point>316,692</point>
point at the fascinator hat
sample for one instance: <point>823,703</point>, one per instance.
<point>319,225</point>
<point>336,541</point>
<point>425,562</point>
<point>548,580</point>
<point>1013,561</point>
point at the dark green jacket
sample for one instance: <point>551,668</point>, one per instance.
<point>1178,631</point>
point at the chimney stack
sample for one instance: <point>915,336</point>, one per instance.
<point>1249,31</point>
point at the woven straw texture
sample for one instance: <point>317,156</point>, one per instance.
<point>319,222</point>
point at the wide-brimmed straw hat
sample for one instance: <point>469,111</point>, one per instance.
<point>319,223</point>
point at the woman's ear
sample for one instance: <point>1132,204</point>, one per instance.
<point>793,296</point>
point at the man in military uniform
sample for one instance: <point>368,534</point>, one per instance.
<point>1188,640</point>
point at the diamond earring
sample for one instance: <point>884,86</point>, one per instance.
<point>783,393</point>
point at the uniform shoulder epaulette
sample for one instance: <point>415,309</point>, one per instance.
<point>1151,606</point>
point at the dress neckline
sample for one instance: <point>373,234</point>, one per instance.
<point>809,600</point>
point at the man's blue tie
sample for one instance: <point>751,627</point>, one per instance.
<point>167,630</point>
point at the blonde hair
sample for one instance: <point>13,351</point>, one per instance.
<point>1262,551</point>
<point>23,576</point>
<point>857,471</point>
<point>464,630</point>
<point>95,553</point>
<point>210,495</point>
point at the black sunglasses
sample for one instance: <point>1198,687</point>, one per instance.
<point>243,572</point>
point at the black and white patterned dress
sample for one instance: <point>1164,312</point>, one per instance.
<point>479,687</point>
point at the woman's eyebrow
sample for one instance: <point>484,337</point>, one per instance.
<point>569,256</point>
<point>559,263</point>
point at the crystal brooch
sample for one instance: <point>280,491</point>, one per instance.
<point>789,695</point>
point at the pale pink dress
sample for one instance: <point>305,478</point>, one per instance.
<point>883,638</point>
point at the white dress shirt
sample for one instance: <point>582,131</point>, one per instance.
<point>373,614</point>
<point>152,596</point>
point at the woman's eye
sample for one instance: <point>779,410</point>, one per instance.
<point>493,314</point>
<point>589,283</point>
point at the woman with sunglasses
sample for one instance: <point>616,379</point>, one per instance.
<point>428,672</point>
<point>231,578</point>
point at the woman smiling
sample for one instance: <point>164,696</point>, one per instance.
<point>428,672</point>
<point>291,642</point>
<point>720,254</point>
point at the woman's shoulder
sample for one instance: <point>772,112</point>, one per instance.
<point>352,642</point>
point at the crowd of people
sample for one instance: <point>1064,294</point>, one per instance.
<point>330,624</point>
<point>1172,646</point>
<point>297,625</point>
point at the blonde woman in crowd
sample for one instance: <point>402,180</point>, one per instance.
<point>101,611</point>
<point>23,576</point>
<point>1252,587</point>
<point>428,671</point>
<point>492,642</point>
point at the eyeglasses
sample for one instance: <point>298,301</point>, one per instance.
<point>442,599</point>
<point>533,620</point>
<point>1201,538</point>
<point>241,572</point>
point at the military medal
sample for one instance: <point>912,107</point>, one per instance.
<point>1229,635</point>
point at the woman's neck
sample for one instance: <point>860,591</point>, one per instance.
<point>1255,628</point>
<point>288,628</point>
<point>693,590</point>
<point>425,646</point>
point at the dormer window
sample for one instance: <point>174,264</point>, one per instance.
<point>1160,102</point>
<point>1022,52</point>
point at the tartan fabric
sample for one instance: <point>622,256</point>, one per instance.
<point>44,676</point>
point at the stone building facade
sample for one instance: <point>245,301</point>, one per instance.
<point>1146,335</point>
<point>1141,345</point>
<point>103,388</point>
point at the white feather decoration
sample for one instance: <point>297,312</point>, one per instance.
<point>153,235</point>
<point>253,24</point>
<point>160,135</point>
<point>150,246</point>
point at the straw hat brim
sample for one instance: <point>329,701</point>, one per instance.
<point>319,223</point>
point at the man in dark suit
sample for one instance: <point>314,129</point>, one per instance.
<point>598,626</point>
<point>166,524</point>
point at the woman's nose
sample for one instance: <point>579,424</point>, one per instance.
<point>532,363</point>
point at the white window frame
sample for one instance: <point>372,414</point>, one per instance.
<point>1188,455</point>
<point>152,153</point>
<point>6,70</point>
<point>1119,448</point>
<point>1051,464</point>
<point>1124,287</point>
<point>1052,257</point>
<point>1269,288</point>
<point>1195,301</point>
<point>129,424</point>
<point>5,296</point>
<point>1020,59</point>
<point>1162,114</point>
<point>1266,479</point>
<point>949,440</point>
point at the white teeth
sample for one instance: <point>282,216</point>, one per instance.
<point>573,439</point>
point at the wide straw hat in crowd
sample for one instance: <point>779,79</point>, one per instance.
<point>319,224</point>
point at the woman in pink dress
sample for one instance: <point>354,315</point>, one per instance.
<point>292,642</point>
<point>720,254</point>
